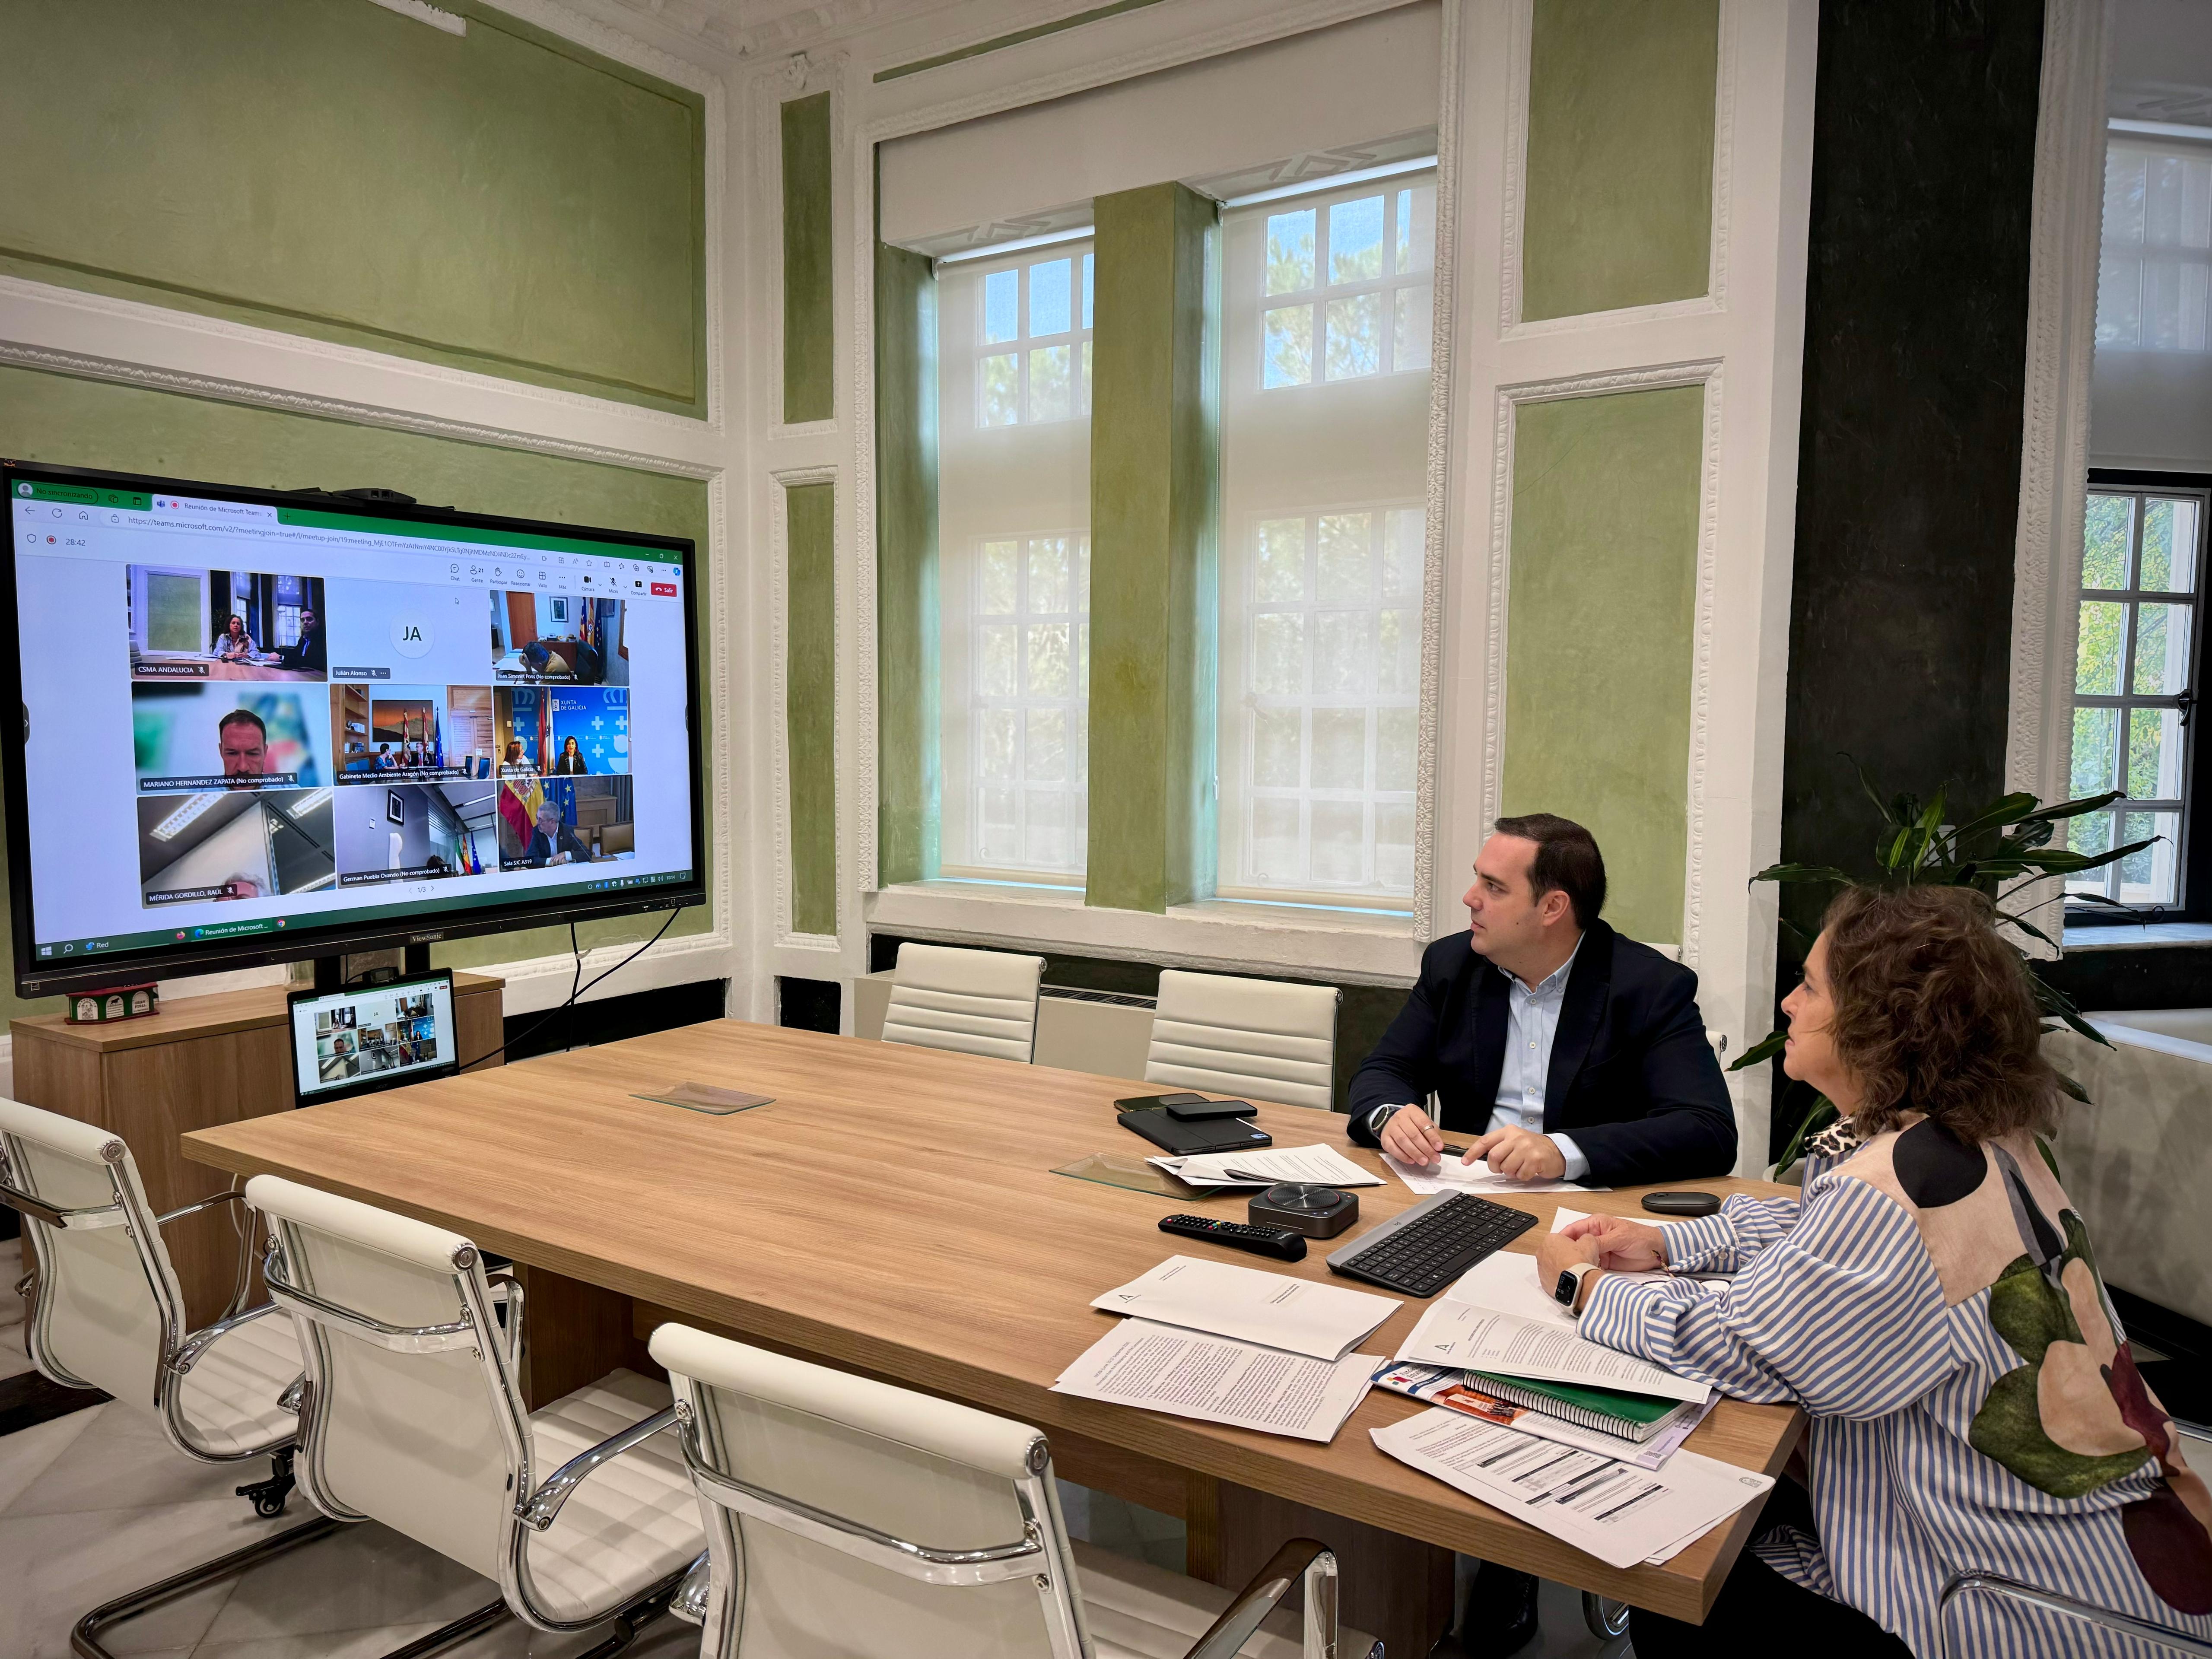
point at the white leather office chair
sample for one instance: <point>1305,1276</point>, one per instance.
<point>848,1516</point>
<point>413,1416</point>
<point>1258,1037</point>
<point>106,1312</point>
<point>974,1002</point>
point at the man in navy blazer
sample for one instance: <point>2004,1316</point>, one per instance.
<point>1559,1049</point>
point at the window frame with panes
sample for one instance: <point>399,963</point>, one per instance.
<point>1013,482</point>
<point>2125,626</point>
<point>1324,543</point>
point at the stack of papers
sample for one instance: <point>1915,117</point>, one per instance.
<point>1453,1177</point>
<point>1319,1164</point>
<point>1609,1507</point>
<point>1461,1336</point>
<point>1186,1374</point>
<point>1457,1391</point>
<point>1233,1344</point>
<point>1275,1309</point>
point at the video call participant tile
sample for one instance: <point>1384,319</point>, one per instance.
<point>216,845</point>
<point>565,822</point>
<point>411,733</point>
<point>188,624</point>
<point>557,638</point>
<point>193,737</point>
<point>413,832</point>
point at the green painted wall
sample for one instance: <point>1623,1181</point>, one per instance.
<point>1619,203</point>
<point>1599,634</point>
<point>1154,449</point>
<point>809,333</point>
<point>506,201</point>
<point>909,784</point>
<point>810,690</point>
<point>54,417</point>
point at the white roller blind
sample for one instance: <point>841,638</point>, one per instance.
<point>1316,101</point>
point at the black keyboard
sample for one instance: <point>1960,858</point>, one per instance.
<point>1420,1250</point>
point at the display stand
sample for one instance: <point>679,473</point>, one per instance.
<point>200,1061</point>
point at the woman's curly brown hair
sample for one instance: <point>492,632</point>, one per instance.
<point>1934,1013</point>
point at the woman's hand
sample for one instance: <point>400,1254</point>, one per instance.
<point>1556,1252</point>
<point>1620,1245</point>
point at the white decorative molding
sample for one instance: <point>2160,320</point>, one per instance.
<point>27,355</point>
<point>780,484</point>
<point>1443,318</point>
<point>1701,672</point>
<point>772,89</point>
<point>1255,26</point>
<point>2062,314</point>
<point>1714,299</point>
<point>863,782</point>
<point>1510,399</point>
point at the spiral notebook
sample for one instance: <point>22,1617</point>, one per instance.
<point>1635,1417</point>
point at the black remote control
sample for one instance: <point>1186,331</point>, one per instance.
<point>1278,1241</point>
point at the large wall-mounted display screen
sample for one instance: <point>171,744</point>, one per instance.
<point>257,727</point>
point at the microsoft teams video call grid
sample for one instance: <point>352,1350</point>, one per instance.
<point>365,1034</point>
<point>283,720</point>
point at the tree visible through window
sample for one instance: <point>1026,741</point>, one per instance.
<point>1031,660</point>
<point>2135,666</point>
<point>1033,361</point>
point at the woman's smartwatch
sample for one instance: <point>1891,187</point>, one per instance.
<point>1568,1291</point>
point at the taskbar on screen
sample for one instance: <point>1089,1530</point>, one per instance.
<point>61,951</point>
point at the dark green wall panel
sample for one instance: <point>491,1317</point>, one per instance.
<point>54,417</point>
<point>1618,209</point>
<point>1153,446</point>
<point>1600,635</point>
<point>810,355</point>
<point>506,201</point>
<point>909,782</point>
<point>810,690</point>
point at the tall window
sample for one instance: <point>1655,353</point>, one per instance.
<point>1029,709</point>
<point>1326,347</point>
<point>2155,265</point>
<point>1014,571</point>
<point>2135,673</point>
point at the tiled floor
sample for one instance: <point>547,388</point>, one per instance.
<point>97,1503</point>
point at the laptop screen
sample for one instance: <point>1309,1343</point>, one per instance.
<point>380,1036</point>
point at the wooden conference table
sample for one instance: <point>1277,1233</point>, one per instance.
<point>894,1211</point>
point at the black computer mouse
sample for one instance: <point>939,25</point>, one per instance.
<point>1681,1203</point>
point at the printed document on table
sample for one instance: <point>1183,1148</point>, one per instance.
<point>1603,1506</point>
<point>1324,1166</point>
<point>1507,1282</point>
<point>1467,1337</point>
<point>1453,1177</point>
<point>1275,1309</point>
<point>1156,1368</point>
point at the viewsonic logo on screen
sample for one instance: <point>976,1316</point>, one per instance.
<point>424,938</point>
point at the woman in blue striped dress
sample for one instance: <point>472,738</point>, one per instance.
<point>1933,1303</point>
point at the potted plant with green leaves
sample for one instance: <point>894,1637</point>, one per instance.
<point>2000,849</point>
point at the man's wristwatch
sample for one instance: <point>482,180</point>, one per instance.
<point>1379,1115</point>
<point>1572,1286</point>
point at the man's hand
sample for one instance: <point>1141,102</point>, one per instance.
<point>1622,1246</point>
<point>1522,1154</point>
<point>1411,1139</point>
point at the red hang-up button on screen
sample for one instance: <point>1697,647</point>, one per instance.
<point>663,590</point>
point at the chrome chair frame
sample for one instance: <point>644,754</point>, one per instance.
<point>1301,1561</point>
<point>179,1353</point>
<point>537,1504</point>
<point>1974,1581</point>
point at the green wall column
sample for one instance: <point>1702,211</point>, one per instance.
<point>909,782</point>
<point>1600,634</point>
<point>1620,154</point>
<point>809,701</point>
<point>1154,447</point>
<point>809,334</point>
